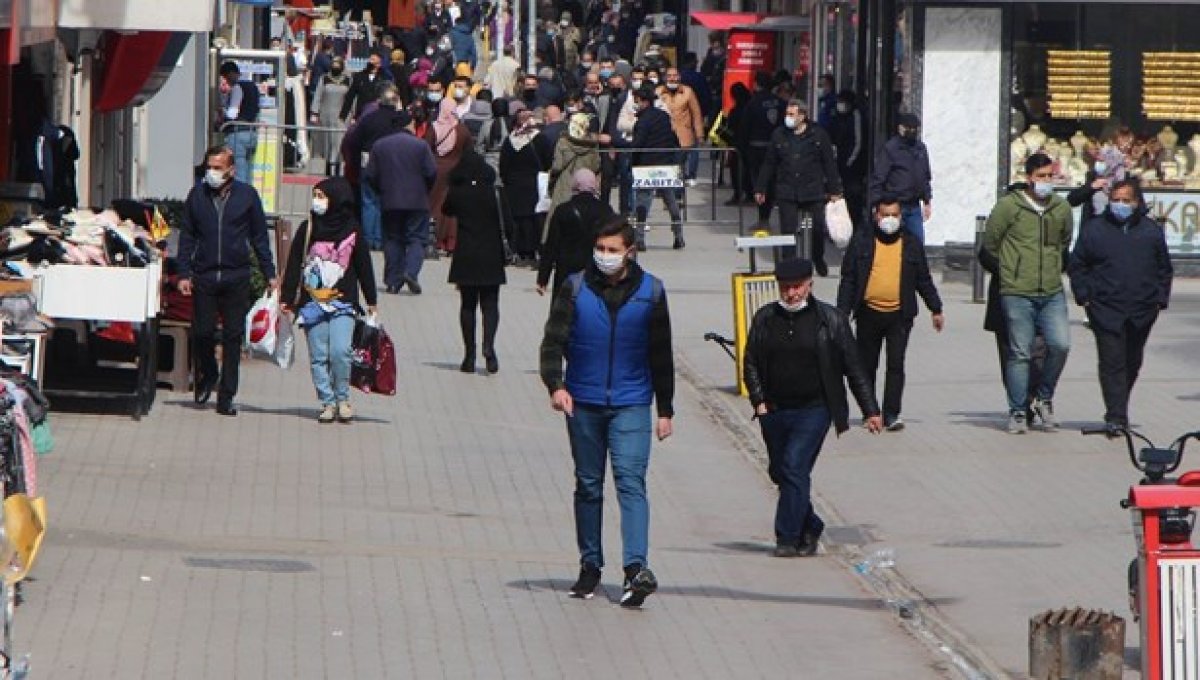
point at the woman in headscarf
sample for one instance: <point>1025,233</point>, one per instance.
<point>478,265</point>
<point>575,150</point>
<point>524,154</point>
<point>328,264</point>
<point>573,230</point>
<point>326,109</point>
<point>448,138</point>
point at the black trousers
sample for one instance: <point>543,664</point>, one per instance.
<point>789,223</point>
<point>487,299</point>
<point>873,330</point>
<point>230,301</point>
<point>527,235</point>
<point>608,172</point>
<point>755,157</point>
<point>1120,355</point>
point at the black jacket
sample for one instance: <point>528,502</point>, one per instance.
<point>799,167</point>
<point>1081,197</point>
<point>763,114</point>
<point>571,238</point>
<point>838,359</point>
<point>914,275</point>
<point>479,255</point>
<point>652,131</point>
<point>519,171</point>
<point>1121,270</point>
<point>214,245</point>
<point>363,90</point>
<point>902,170</point>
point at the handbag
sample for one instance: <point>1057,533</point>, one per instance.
<point>373,358</point>
<point>837,220</point>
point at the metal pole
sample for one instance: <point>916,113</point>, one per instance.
<point>531,38</point>
<point>978,289</point>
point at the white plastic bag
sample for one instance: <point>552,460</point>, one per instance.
<point>837,219</point>
<point>261,325</point>
<point>285,342</point>
<point>544,201</point>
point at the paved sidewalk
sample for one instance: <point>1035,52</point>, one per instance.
<point>434,537</point>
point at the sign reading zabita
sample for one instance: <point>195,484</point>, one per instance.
<point>657,177</point>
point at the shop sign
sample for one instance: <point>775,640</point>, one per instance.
<point>1179,214</point>
<point>657,177</point>
<point>751,51</point>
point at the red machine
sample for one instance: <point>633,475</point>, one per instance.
<point>1164,579</point>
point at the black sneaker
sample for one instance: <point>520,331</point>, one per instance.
<point>639,584</point>
<point>821,267</point>
<point>412,284</point>
<point>678,243</point>
<point>893,423</point>
<point>585,586</point>
<point>808,544</point>
<point>786,550</point>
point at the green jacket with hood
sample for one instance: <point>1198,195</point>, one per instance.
<point>1029,244</point>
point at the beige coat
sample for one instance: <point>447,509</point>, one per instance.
<point>686,119</point>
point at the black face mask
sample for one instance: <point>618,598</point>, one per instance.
<point>337,70</point>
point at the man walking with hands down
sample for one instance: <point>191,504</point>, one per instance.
<point>612,325</point>
<point>799,355</point>
<point>1028,229</point>
<point>800,173</point>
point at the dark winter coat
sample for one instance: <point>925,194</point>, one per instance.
<point>215,243</point>
<point>799,167</point>
<point>837,356</point>
<point>1121,271</point>
<point>902,171</point>
<point>914,275</point>
<point>519,170</point>
<point>471,198</point>
<point>572,237</point>
<point>652,131</point>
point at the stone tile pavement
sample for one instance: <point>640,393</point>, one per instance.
<point>433,538</point>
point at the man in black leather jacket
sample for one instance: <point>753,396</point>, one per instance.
<point>799,355</point>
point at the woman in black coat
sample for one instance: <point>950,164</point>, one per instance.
<point>573,231</point>
<point>524,154</point>
<point>478,264</point>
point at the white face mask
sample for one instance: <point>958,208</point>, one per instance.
<point>1043,190</point>
<point>215,178</point>
<point>672,86</point>
<point>789,122</point>
<point>843,107</point>
<point>608,263</point>
<point>1101,167</point>
<point>320,205</point>
<point>636,84</point>
<point>794,308</point>
<point>889,225</point>
<point>460,93</point>
<point>434,97</point>
<point>654,80</point>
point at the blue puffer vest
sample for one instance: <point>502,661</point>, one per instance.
<point>609,365</point>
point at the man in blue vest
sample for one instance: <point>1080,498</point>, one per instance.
<point>612,325</point>
<point>239,113</point>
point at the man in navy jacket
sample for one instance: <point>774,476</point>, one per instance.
<point>223,222</point>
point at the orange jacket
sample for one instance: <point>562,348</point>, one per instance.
<point>684,108</point>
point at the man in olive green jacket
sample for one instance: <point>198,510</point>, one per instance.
<point>1027,231</point>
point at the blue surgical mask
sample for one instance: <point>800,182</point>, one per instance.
<point>1043,190</point>
<point>1121,211</point>
<point>1100,167</point>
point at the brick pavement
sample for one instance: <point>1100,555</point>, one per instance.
<point>433,538</point>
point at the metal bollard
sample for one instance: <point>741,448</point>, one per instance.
<point>978,288</point>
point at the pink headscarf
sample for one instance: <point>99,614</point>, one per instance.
<point>583,181</point>
<point>445,128</point>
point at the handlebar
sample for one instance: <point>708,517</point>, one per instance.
<point>1155,462</point>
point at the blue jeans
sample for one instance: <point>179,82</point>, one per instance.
<point>1027,316</point>
<point>793,438</point>
<point>913,220</point>
<point>329,357</point>
<point>691,163</point>
<point>625,183</point>
<point>371,217</point>
<point>644,198</point>
<point>406,234</point>
<point>624,433</point>
<point>243,142</point>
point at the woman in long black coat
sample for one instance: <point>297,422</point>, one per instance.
<point>477,267</point>
<point>524,154</point>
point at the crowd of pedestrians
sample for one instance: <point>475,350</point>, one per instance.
<point>447,151</point>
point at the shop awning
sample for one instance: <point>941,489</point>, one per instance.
<point>191,16</point>
<point>785,24</point>
<point>723,21</point>
<point>136,66</point>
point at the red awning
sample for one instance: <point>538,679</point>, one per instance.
<point>723,21</point>
<point>129,61</point>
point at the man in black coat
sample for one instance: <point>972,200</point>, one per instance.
<point>1121,274</point>
<point>364,87</point>
<point>882,273</point>
<point>800,172</point>
<point>902,170</point>
<point>652,131</point>
<point>763,114</point>
<point>800,355</point>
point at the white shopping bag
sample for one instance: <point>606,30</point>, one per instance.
<point>543,203</point>
<point>837,219</point>
<point>261,325</point>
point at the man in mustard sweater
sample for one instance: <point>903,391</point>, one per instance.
<point>882,273</point>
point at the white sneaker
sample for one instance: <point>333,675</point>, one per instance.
<point>328,414</point>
